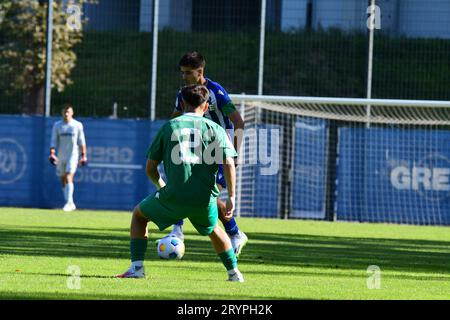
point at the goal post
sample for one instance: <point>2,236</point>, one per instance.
<point>367,160</point>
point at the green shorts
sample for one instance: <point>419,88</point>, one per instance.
<point>164,213</point>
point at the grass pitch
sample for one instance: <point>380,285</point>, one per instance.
<point>284,259</point>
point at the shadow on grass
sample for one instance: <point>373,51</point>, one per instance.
<point>292,250</point>
<point>151,295</point>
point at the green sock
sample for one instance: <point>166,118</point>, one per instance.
<point>228,259</point>
<point>137,249</point>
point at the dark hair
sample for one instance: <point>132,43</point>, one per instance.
<point>192,60</point>
<point>195,95</point>
<point>67,106</point>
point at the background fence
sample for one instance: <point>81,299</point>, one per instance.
<point>310,48</point>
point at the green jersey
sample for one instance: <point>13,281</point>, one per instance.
<point>191,147</point>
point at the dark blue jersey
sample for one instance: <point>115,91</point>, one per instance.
<point>220,104</point>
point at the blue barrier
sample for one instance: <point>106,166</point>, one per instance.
<point>113,179</point>
<point>260,184</point>
<point>392,175</point>
<point>267,198</point>
<point>21,142</point>
<point>383,175</point>
<point>309,178</point>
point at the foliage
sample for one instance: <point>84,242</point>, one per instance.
<point>23,47</point>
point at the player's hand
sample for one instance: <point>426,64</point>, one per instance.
<point>230,208</point>
<point>83,161</point>
<point>222,208</point>
<point>53,159</point>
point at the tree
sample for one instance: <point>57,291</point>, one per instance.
<point>23,29</point>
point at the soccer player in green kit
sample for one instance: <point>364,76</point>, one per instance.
<point>222,111</point>
<point>190,147</point>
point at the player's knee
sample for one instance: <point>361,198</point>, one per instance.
<point>216,231</point>
<point>137,214</point>
<point>69,178</point>
<point>211,233</point>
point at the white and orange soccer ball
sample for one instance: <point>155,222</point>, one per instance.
<point>170,247</point>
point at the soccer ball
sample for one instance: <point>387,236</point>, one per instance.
<point>170,247</point>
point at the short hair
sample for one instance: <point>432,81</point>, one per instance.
<point>195,95</point>
<point>67,106</point>
<point>192,60</point>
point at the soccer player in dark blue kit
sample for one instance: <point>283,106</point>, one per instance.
<point>223,112</point>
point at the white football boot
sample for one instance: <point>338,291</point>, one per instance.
<point>235,276</point>
<point>177,232</point>
<point>136,272</point>
<point>69,206</point>
<point>238,241</point>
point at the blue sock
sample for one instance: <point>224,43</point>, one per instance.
<point>231,227</point>
<point>180,223</point>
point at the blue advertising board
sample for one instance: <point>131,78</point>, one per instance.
<point>309,165</point>
<point>260,171</point>
<point>393,175</point>
<point>113,179</point>
<point>21,142</point>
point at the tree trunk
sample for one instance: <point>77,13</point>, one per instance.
<point>34,100</point>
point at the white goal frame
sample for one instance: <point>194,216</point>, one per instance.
<point>389,113</point>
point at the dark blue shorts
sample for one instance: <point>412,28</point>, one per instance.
<point>220,179</point>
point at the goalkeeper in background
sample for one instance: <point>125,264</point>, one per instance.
<point>191,147</point>
<point>66,141</point>
<point>222,111</point>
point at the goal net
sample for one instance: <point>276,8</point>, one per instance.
<point>367,160</point>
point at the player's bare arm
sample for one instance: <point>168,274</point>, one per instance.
<point>153,174</point>
<point>229,170</point>
<point>53,145</point>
